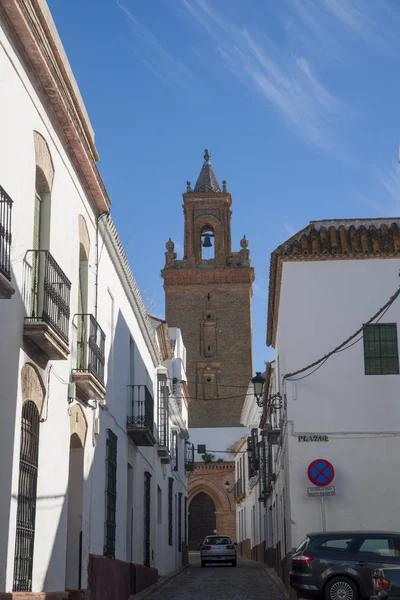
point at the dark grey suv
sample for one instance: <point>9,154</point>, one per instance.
<point>339,565</point>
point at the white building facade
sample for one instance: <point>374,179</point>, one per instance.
<point>93,432</point>
<point>337,376</point>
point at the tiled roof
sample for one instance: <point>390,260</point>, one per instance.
<point>332,240</point>
<point>207,182</point>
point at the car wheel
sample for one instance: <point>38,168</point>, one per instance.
<point>203,564</point>
<point>234,563</point>
<point>341,588</point>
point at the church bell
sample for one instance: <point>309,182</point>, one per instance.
<point>207,242</point>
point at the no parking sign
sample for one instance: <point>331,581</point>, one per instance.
<point>321,472</point>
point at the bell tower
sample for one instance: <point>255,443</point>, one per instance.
<point>208,296</point>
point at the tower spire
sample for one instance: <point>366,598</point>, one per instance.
<point>207,181</point>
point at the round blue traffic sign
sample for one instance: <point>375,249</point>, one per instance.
<point>321,472</point>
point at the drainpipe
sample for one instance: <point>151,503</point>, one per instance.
<point>96,285</point>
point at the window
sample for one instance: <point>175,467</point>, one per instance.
<point>337,544</point>
<point>159,505</point>
<point>174,450</point>
<point>380,546</point>
<point>26,507</point>
<point>170,530</point>
<point>111,494</point>
<point>163,411</point>
<point>381,356</point>
<point>147,517</point>
<point>179,522</point>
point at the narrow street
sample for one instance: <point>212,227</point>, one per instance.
<point>248,581</point>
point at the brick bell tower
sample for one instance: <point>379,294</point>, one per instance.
<point>208,296</point>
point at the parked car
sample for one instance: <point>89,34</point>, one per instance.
<point>339,565</point>
<point>218,549</point>
<point>386,583</point>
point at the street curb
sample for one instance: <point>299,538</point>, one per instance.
<point>271,574</point>
<point>160,583</point>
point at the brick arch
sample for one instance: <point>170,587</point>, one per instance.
<point>203,222</point>
<point>78,427</point>
<point>216,492</point>
<point>44,164</point>
<point>32,387</point>
<point>84,239</point>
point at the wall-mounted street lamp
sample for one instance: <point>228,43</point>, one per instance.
<point>274,401</point>
<point>258,384</point>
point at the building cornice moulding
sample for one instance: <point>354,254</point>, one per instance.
<point>36,39</point>
<point>240,275</point>
<point>330,240</point>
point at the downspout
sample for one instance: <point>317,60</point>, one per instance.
<point>96,285</point>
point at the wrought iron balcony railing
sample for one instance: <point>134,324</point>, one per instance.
<point>163,412</point>
<point>90,346</point>
<point>141,408</point>
<point>5,233</point>
<point>189,458</point>
<point>47,292</point>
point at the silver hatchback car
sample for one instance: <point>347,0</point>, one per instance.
<point>218,549</point>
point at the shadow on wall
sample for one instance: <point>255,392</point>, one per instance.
<point>12,313</point>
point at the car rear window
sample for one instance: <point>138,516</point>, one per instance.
<point>303,546</point>
<point>337,544</point>
<point>217,541</point>
<point>379,546</point>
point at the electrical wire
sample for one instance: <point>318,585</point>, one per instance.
<point>344,345</point>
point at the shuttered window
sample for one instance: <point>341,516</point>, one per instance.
<point>36,222</point>
<point>381,355</point>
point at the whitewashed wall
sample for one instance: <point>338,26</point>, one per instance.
<point>22,113</point>
<point>321,304</point>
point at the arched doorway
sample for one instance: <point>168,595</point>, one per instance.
<point>202,519</point>
<point>78,427</point>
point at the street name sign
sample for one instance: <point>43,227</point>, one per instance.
<point>328,490</point>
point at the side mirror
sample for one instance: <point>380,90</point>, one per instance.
<point>199,545</point>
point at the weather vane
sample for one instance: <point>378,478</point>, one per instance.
<point>206,155</point>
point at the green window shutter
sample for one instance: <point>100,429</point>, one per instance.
<point>381,356</point>
<point>36,222</point>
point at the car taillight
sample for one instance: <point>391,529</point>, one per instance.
<point>206,548</point>
<point>301,559</point>
<point>230,547</point>
<point>382,584</point>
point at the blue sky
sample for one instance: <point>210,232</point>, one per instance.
<point>298,101</point>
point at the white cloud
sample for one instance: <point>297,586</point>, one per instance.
<point>156,58</point>
<point>288,83</point>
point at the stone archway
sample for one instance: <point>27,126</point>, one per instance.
<point>32,387</point>
<point>210,480</point>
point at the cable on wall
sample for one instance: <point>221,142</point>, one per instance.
<point>318,363</point>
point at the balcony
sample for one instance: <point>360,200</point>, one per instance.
<point>163,449</point>
<point>6,289</point>
<point>273,435</point>
<point>189,458</point>
<point>140,421</point>
<point>46,296</point>
<point>239,490</point>
<point>90,358</point>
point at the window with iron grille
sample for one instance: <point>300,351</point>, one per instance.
<point>175,452</point>
<point>147,516</point>
<point>186,521</point>
<point>381,356</point>
<point>163,411</point>
<point>111,494</point>
<point>26,507</point>
<point>170,498</point>
<point>179,522</point>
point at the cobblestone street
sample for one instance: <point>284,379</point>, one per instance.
<point>248,581</point>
